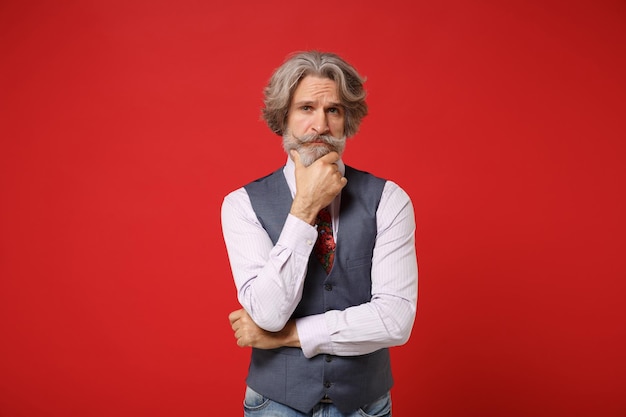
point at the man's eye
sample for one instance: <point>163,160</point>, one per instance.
<point>333,110</point>
<point>306,108</point>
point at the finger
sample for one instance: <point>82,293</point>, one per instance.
<point>241,341</point>
<point>235,315</point>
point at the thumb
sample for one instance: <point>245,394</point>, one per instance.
<point>296,157</point>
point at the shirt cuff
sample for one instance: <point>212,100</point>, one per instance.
<point>313,334</point>
<point>298,235</point>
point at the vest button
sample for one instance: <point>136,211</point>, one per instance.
<point>328,287</point>
<point>328,384</point>
<point>329,358</point>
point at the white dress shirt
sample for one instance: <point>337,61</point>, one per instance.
<point>270,278</point>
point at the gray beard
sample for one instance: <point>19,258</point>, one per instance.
<point>310,154</point>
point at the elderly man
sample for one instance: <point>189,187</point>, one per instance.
<point>322,254</point>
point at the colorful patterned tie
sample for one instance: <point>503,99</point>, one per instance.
<point>325,244</point>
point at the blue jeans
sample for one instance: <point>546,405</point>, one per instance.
<point>256,405</point>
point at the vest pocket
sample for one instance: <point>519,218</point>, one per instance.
<point>360,262</point>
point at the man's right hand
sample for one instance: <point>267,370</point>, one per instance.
<point>248,333</point>
<point>316,185</point>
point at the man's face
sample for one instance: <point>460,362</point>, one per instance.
<point>315,122</point>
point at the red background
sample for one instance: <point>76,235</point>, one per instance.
<point>123,124</point>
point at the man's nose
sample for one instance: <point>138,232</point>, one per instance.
<point>320,122</point>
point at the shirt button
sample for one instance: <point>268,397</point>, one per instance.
<point>309,242</point>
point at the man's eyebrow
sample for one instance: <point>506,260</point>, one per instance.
<point>313,102</point>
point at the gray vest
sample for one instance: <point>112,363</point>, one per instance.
<point>285,375</point>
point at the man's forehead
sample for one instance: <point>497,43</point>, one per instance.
<point>312,88</point>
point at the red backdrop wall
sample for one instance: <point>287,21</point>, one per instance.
<point>124,123</point>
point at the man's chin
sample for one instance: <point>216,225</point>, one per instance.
<point>312,154</point>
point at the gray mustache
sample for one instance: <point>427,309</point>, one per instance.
<point>313,137</point>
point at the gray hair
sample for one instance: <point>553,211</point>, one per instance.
<point>279,91</point>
